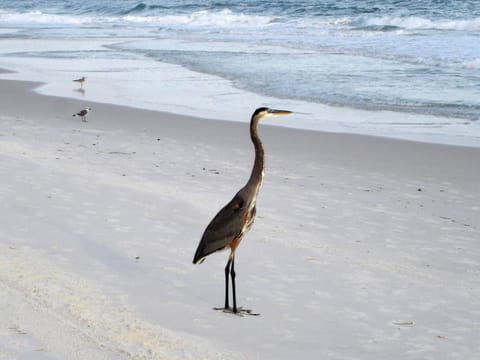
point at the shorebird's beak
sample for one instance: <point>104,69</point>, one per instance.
<point>274,112</point>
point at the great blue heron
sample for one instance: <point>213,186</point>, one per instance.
<point>80,81</point>
<point>228,227</point>
<point>83,114</point>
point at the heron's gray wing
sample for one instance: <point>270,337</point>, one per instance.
<point>223,228</point>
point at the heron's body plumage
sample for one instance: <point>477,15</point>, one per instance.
<point>231,223</point>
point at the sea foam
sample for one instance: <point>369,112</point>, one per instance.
<point>38,17</point>
<point>416,23</point>
<point>222,18</point>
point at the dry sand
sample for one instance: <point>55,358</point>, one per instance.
<point>363,248</point>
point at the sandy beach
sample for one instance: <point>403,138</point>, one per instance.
<point>363,247</point>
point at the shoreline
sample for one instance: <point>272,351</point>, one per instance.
<point>364,151</point>
<point>221,100</point>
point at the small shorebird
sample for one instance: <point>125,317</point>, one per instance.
<point>81,81</point>
<point>83,114</point>
<point>233,221</point>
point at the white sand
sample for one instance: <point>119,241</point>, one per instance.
<point>363,248</point>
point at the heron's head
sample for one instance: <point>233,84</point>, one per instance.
<point>264,112</point>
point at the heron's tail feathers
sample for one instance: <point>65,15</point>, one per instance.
<point>199,254</point>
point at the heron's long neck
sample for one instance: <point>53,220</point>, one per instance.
<point>256,178</point>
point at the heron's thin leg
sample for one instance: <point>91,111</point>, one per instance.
<point>232,273</point>
<point>227,271</point>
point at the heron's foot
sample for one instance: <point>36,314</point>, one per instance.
<point>240,311</point>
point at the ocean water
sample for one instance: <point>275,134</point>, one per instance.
<point>408,69</point>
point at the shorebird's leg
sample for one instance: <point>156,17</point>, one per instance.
<point>238,311</point>
<point>227,270</point>
<point>227,273</point>
<point>232,273</point>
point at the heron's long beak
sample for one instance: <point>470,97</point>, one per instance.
<point>279,112</point>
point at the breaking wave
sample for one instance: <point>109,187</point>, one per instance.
<point>222,18</point>
<point>385,23</point>
<point>38,17</point>
<point>143,8</point>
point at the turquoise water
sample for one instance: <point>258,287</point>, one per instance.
<point>406,57</point>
